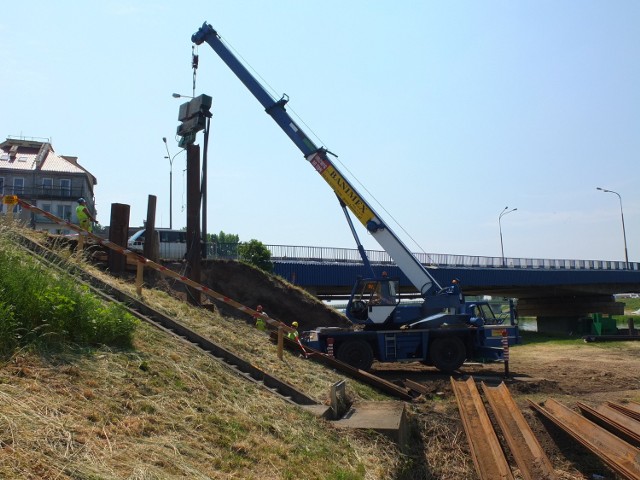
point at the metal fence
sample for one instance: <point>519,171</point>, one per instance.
<point>351,255</point>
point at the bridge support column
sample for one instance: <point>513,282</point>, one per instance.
<point>565,314</point>
<point>560,325</point>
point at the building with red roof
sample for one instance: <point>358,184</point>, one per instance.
<point>32,170</point>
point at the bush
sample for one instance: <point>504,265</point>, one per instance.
<point>9,336</point>
<point>255,253</point>
<point>47,309</point>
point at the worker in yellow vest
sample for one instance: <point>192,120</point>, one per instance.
<point>84,215</point>
<point>293,334</point>
<point>261,324</point>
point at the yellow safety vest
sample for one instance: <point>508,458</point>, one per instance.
<point>80,213</point>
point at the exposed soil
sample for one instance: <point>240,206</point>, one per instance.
<point>587,372</point>
<point>252,287</point>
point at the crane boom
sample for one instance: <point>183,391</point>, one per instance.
<point>443,331</point>
<point>318,158</point>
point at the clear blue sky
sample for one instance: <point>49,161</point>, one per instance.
<point>446,112</point>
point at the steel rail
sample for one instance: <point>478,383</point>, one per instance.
<point>612,450</point>
<point>204,343</point>
<point>149,315</point>
<point>361,375</point>
<point>613,420</point>
<point>487,454</point>
<point>630,409</point>
<point>527,451</point>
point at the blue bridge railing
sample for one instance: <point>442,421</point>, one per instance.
<point>351,255</point>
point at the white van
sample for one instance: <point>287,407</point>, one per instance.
<point>173,243</point>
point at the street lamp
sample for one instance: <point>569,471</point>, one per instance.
<point>178,95</point>
<point>502,214</point>
<point>170,158</point>
<point>624,235</point>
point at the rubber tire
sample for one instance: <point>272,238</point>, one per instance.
<point>447,353</point>
<point>356,353</point>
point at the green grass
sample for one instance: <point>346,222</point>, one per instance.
<point>631,304</point>
<point>532,338</point>
<point>160,409</point>
<point>46,310</point>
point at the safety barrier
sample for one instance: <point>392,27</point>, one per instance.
<point>278,328</point>
<point>351,255</point>
<point>142,262</point>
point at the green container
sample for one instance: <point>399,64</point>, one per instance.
<point>602,325</point>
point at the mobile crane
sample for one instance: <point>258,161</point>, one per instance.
<point>443,330</point>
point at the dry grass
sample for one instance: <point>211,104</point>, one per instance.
<point>162,411</point>
<point>165,410</point>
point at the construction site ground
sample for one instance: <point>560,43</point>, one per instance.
<point>557,366</point>
<point>566,369</point>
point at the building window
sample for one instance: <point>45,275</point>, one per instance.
<point>47,186</point>
<point>4,156</point>
<point>18,186</point>
<point>22,158</point>
<point>46,207</point>
<point>64,212</point>
<point>1,185</point>
<point>65,187</point>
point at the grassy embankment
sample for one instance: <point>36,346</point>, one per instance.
<point>89,393</point>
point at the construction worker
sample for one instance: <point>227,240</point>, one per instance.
<point>261,324</point>
<point>84,215</point>
<point>293,334</point>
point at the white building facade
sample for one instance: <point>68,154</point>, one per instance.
<point>30,169</point>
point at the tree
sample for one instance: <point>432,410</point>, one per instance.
<point>224,244</point>
<point>255,253</point>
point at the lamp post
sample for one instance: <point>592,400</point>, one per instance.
<point>624,234</point>
<point>502,214</point>
<point>170,158</point>
<point>178,95</point>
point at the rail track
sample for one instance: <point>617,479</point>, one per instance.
<point>234,362</point>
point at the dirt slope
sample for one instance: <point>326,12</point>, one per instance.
<point>252,287</point>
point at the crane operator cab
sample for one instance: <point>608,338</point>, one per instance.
<point>373,300</point>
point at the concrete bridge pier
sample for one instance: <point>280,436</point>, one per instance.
<point>566,314</point>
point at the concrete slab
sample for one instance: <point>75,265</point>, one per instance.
<point>387,418</point>
<point>323,411</point>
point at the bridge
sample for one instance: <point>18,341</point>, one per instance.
<point>556,291</point>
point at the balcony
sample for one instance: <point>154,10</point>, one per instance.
<point>46,193</point>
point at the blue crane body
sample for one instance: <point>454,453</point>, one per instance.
<point>443,330</point>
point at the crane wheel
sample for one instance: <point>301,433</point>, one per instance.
<point>447,353</point>
<point>356,353</point>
